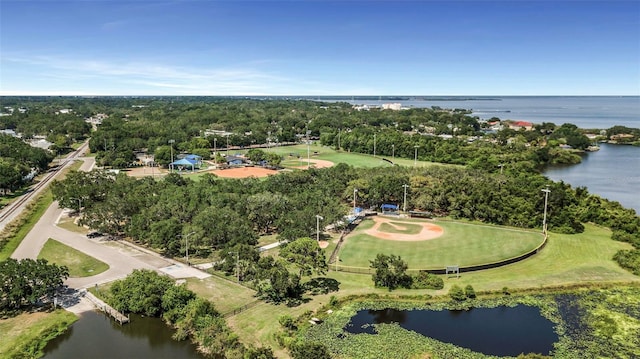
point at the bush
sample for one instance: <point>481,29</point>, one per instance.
<point>629,259</point>
<point>426,280</point>
<point>309,351</point>
<point>288,322</point>
<point>456,293</point>
<point>469,291</point>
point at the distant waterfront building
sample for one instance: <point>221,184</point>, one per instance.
<point>392,106</point>
<point>518,125</point>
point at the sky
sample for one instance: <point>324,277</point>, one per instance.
<point>323,48</point>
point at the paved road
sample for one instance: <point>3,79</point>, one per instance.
<point>121,257</point>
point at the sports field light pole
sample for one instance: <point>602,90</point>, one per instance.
<point>546,201</point>
<point>171,142</point>
<point>355,190</point>
<point>415,156</point>
<point>404,207</point>
<point>393,152</point>
<point>318,219</point>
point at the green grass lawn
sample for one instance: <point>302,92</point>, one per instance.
<point>462,244</point>
<point>224,294</point>
<point>79,264</point>
<point>25,335</point>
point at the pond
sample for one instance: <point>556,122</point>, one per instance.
<point>502,331</point>
<point>95,335</point>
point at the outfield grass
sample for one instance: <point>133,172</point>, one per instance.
<point>329,154</point>
<point>461,244</point>
<point>79,264</point>
<point>25,335</point>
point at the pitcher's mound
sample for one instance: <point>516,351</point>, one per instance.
<point>323,244</point>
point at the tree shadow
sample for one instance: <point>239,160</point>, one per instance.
<point>321,285</point>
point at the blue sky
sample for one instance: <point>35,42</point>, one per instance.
<point>319,47</point>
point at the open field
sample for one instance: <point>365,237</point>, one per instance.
<point>25,335</point>
<point>460,243</point>
<point>225,294</point>
<point>79,264</point>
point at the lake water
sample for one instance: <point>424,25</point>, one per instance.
<point>612,173</point>
<point>495,331</point>
<point>583,111</point>
<point>95,335</point>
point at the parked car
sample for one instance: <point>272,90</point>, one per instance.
<point>94,234</point>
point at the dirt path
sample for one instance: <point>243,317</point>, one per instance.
<point>428,230</point>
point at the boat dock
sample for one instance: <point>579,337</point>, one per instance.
<point>117,316</point>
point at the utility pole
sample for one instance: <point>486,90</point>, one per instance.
<point>544,218</point>
<point>404,207</point>
<point>237,253</point>
<point>186,241</point>
<point>171,142</point>
<point>393,152</point>
<point>415,156</point>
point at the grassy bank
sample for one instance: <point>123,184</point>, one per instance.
<point>15,232</point>
<point>79,264</point>
<point>26,335</point>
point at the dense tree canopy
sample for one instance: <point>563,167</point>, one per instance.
<point>28,281</point>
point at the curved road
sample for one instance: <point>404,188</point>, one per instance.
<point>121,257</point>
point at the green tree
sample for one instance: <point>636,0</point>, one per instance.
<point>141,292</point>
<point>306,254</point>
<point>390,271</point>
<point>28,281</point>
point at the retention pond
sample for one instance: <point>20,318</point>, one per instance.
<point>502,331</point>
<point>95,335</point>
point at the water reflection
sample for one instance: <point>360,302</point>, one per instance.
<point>96,336</point>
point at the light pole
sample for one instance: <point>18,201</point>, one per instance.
<point>374,145</point>
<point>215,145</point>
<point>501,167</point>
<point>355,190</point>
<point>393,152</point>
<point>415,156</point>
<point>318,219</point>
<point>544,218</point>
<point>171,142</point>
<point>186,242</point>
<point>308,151</point>
<point>404,207</point>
